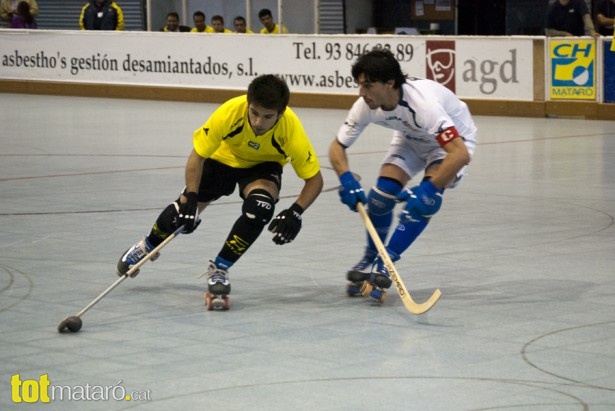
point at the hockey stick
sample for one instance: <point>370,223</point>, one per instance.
<point>413,307</point>
<point>73,323</point>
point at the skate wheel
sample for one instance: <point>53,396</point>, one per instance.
<point>354,289</point>
<point>366,288</point>
<point>378,295</point>
<point>217,302</point>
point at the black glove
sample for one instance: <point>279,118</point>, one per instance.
<point>287,224</point>
<point>188,213</point>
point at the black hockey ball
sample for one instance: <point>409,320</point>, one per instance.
<point>73,323</point>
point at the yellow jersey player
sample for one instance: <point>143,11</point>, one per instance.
<point>246,142</point>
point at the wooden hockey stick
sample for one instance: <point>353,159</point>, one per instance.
<point>413,307</point>
<point>64,324</point>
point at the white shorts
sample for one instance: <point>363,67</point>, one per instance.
<point>414,155</point>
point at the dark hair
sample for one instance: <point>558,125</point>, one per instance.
<point>240,18</point>
<point>218,17</point>
<point>198,14</point>
<point>379,65</point>
<point>270,92</point>
<point>173,14</point>
<point>23,9</point>
<point>263,13</point>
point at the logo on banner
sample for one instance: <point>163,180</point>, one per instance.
<point>573,69</point>
<point>440,62</point>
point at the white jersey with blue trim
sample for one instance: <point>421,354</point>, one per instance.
<point>424,110</point>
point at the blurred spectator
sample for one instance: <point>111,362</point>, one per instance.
<point>9,7</point>
<point>240,26</point>
<point>199,23</point>
<point>173,25</point>
<point>270,26</point>
<point>217,22</point>
<point>22,18</point>
<point>569,18</point>
<point>605,13</point>
<point>101,15</point>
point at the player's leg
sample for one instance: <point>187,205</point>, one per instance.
<point>400,164</point>
<point>380,204</point>
<point>167,221</point>
<point>259,188</point>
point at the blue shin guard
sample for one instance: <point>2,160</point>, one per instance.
<point>381,202</point>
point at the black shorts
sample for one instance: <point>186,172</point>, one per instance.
<point>220,180</point>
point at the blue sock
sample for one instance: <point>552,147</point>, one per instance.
<point>405,234</point>
<point>222,263</point>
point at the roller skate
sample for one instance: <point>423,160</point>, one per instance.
<point>133,255</point>
<point>358,274</point>
<point>379,280</point>
<point>218,288</point>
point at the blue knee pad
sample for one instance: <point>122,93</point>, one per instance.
<point>258,207</point>
<point>382,198</point>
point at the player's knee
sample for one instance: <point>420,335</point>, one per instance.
<point>167,220</point>
<point>258,207</point>
<point>382,198</point>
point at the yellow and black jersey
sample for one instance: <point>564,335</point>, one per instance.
<point>227,137</point>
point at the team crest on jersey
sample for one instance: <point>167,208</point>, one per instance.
<point>254,145</point>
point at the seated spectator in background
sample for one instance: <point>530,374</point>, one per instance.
<point>605,13</point>
<point>569,18</point>
<point>9,7</point>
<point>101,15</point>
<point>217,22</point>
<point>22,18</point>
<point>198,18</point>
<point>270,27</point>
<point>239,23</point>
<point>173,25</point>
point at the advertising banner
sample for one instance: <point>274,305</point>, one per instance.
<point>572,69</point>
<point>491,68</point>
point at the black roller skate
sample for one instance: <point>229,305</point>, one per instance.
<point>218,288</point>
<point>379,282</point>
<point>360,273</point>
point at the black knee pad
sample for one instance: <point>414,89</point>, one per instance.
<point>258,207</point>
<point>167,220</point>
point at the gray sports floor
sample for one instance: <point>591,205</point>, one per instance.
<point>523,251</point>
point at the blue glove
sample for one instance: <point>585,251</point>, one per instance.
<point>351,191</point>
<point>422,201</point>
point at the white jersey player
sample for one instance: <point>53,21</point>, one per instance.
<point>433,133</point>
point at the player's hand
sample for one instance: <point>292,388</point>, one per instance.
<point>286,225</point>
<point>351,191</point>
<point>188,213</point>
<point>422,201</point>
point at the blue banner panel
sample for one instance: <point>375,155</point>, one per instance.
<point>609,73</point>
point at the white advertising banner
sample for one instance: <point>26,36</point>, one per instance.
<point>473,68</point>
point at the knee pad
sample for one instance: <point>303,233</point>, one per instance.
<point>383,197</point>
<point>167,220</point>
<point>258,207</point>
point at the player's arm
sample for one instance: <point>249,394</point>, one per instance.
<point>457,157</point>
<point>287,224</point>
<point>193,172</point>
<point>424,200</point>
<point>188,209</point>
<point>338,157</point>
<point>350,191</point>
<point>311,190</point>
